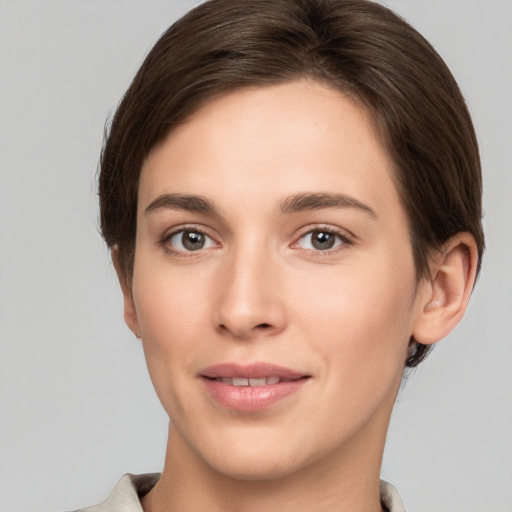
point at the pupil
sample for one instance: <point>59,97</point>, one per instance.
<point>323,240</point>
<point>192,240</point>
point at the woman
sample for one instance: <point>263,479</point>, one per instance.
<point>291,192</point>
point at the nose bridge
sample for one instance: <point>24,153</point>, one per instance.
<point>249,298</point>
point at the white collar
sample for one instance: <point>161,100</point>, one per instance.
<point>126,495</point>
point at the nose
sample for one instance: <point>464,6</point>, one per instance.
<point>250,300</point>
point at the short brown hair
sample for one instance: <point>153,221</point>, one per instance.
<point>357,47</point>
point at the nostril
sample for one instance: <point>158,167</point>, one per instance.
<point>243,332</point>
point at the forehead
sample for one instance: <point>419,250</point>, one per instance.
<point>284,138</point>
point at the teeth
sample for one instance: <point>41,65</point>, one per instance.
<point>241,381</point>
<point>257,382</point>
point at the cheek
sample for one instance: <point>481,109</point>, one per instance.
<point>359,328</point>
<point>172,314</point>
<point>359,317</point>
<point>171,304</point>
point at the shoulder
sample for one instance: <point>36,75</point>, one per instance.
<point>126,495</point>
<point>390,498</point>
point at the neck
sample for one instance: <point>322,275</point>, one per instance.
<point>346,480</point>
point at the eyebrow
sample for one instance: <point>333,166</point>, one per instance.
<point>317,201</point>
<point>190,203</point>
<point>296,203</point>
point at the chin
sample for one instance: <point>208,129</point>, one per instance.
<point>256,456</point>
<point>261,468</point>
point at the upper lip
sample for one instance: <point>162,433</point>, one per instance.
<point>250,371</point>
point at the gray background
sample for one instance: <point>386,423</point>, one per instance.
<point>76,405</point>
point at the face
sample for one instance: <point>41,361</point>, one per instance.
<point>274,282</point>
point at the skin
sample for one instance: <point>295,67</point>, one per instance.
<point>260,291</point>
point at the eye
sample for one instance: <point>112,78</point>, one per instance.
<point>189,240</point>
<point>321,240</point>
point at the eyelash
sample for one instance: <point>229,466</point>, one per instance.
<point>166,239</point>
<point>342,238</point>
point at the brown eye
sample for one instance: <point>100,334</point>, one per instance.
<point>321,240</point>
<point>192,241</point>
<point>188,240</point>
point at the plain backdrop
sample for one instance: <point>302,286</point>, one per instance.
<point>77,409</point>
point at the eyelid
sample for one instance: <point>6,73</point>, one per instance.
<point>346,237</point>
<point>169,234</point>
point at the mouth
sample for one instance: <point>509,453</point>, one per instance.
<point>251,388</point>
<point>252,382</point>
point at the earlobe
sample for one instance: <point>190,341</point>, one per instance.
<point>130,312</point>
<point>445,295</point>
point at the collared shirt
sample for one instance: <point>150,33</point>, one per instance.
<point>126,495</point>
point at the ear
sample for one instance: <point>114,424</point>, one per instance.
<point>445,295</point>
<point>130,313</point>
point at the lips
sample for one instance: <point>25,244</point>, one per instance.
<point>253,382</point>
<point>251,388</point>
<point>255,371</point>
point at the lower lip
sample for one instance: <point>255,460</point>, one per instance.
<point>251,398</point>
